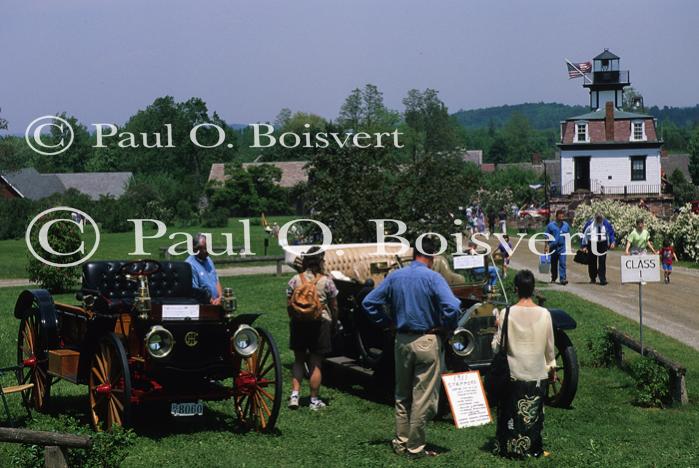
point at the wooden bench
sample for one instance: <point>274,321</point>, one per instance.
<point>4,391</point>
<point>55,443</point>
<point>165,255</point>
<point>678,386</point>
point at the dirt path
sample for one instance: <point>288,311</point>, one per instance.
<point>669,308</point>
<point>223,272</point>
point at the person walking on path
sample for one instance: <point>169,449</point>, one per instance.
<point>423,308</point>
<point>557,247</point>
<point>667,255</point>
<point>598,238</point>
<point>638,240</point>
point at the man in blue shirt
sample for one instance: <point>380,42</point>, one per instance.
<point>204,274</point>
<point>557,247</point>
<point>422,304</point>
<point>598,238</point>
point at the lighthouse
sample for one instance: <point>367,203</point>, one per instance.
<point>606,82</point>
<point>609,152</point>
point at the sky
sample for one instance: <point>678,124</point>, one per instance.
<point>103,61</point>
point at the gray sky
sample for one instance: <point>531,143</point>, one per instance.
<point>103,60</point>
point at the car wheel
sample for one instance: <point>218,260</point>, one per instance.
<point>34,364</point>
<point>109,385</point>
<point>258,386</point>
<point>562,391</point>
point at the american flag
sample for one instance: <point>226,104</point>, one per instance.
<point>576,70</point>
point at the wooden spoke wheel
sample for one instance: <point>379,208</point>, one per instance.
<point>109,385</point>
<point>561,391</point>
<point>34,362</point>
<point>258,386</point>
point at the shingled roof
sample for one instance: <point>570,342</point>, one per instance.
<point>29,183</point>
<point>96,184</point>
<point>293,172</point>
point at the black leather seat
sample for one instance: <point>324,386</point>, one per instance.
<point>171,285</point>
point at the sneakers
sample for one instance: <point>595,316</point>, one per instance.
<point>294,402</point>
<point>316,404</point>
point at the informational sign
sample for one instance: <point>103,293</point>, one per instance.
<point>462,262</point>
<point>467,401</point>
<point>640,268</point>
<point>180,312</point>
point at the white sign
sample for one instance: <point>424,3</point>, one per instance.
<point>180,312</point>
<point>463,262</point>
<point>467,401</point>
<point>640,268</point>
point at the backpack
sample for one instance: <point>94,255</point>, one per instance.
<point>304,303</point>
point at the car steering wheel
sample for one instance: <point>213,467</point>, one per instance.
<point>144,267</point>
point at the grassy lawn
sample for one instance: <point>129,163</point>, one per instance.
<point>687,264</point>
<point>118,245</point>
<point>603,428</point>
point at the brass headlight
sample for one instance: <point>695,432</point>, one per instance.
<point>462,342</point>
<point>159,341</point>
<point>245,340</point>
<point>228,302</point>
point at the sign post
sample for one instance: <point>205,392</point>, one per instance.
<point>640,269</point>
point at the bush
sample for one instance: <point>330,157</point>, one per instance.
<point>652,383</point>
<point>108,448</point>
<point>113,214</point>
<point>683,230</point>
<point>600,349</point>
<point>15,213</point>
<point>216,217</point>
<point>62,237</point>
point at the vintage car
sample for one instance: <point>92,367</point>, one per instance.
<point>141,333</point>
<point>361,348</point>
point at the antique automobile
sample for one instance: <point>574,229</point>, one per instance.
<point>361,348</point>
<point>142,334</point>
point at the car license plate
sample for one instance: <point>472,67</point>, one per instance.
<point>187,409</point>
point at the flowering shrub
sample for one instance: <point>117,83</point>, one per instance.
<point>683,230</point>
<point>623,218</point>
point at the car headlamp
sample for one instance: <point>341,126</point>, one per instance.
<point>159,341</point>
<point>462,342</point>
<point>245,340</point>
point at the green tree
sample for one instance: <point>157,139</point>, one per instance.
<point>693,147</point>
<point>431,127</point>
<point>76,157</point>
<point>351,112</point>
<point>682,189</point>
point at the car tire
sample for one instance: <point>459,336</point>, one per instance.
<point>562,395</point>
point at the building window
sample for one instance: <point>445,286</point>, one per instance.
<point>638,168</point>
<point>581,132</point>
<point>638,131</point>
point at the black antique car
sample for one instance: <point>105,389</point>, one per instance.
<point>141,333</point>
<point>362,349</point>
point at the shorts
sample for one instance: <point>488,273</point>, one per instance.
<point>667,267</point>
<point>310,336</point>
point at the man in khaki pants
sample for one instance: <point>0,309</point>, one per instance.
<point>422,304</point>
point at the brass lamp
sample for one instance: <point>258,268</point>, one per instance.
<point>228,303</point>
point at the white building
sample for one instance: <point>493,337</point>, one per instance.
<point>608,151</point>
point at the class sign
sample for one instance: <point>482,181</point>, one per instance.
<point>640,268</point>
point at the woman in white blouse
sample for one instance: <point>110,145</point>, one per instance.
<point>532,361</point>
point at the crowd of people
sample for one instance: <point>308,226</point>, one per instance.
<point>424,310</point>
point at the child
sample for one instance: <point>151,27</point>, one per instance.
<point>505,254</point>
<point>667,255</point>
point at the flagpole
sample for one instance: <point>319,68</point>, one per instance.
<point>579,70</point>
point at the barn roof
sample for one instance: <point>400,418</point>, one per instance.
<point>29,183</point>
<point>293,172</point>
<point>96,184</point>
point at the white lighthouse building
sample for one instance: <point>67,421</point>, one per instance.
<point>608,151</point>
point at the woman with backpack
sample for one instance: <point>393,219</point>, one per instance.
<point>312,308</point>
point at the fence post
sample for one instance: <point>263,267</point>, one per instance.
<point>54,457</point>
